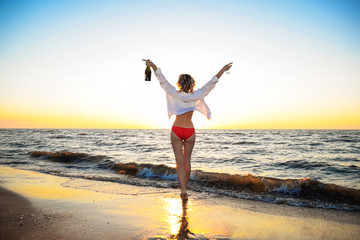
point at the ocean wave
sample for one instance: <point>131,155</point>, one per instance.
<point>297,192</point>
<point>146,170</point>
<point>342,140</point>
<point>244,143</point>
<point>323,166</point>
<point>303,164</point>
<point>66,157</point>
<point>60,136</point>
<point>13,163</point>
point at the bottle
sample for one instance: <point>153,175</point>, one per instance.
<point>147,74</point>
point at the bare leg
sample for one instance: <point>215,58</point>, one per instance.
<point>188,147</point>
<point>177,145</point>
<point>182,151</point>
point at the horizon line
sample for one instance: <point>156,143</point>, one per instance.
<point>1,128</point>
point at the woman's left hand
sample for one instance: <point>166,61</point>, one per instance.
<point>150,64</point>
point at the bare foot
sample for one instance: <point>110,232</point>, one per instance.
<point>184,195</point>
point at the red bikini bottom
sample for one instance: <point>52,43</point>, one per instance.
<point>183,133</point>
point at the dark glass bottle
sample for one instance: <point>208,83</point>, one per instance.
<point>147,74</point>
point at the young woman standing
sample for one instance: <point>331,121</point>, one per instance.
<point>182,103</point>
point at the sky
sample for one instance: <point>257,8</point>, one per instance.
<point>77,64</point>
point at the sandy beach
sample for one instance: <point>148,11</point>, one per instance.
<point>42,206</point>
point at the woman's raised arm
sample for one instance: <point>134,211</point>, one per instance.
<point>224,69</point>
<point>170,89</point>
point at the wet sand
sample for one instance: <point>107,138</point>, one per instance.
<point>42,206</point>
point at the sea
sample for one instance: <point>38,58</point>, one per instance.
<point>311,168</point>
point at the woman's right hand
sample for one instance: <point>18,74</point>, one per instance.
<point>227,67</point>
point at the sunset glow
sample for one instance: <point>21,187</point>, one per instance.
<point>77,64</point>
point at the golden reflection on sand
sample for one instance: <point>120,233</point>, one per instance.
<point>176,217</point>
<point>101,209</point>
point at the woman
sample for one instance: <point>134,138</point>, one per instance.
<point>182,103</point>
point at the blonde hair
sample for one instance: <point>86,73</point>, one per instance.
<point>186,83</point>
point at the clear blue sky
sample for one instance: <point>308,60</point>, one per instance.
<point>78,63</point>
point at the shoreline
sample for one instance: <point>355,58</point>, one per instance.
<point>52,207</point>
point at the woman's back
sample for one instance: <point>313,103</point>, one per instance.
<point>184,120</point>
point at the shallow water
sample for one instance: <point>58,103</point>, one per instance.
<point>324,156</point>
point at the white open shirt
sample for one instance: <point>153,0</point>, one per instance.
<point>181,102</point>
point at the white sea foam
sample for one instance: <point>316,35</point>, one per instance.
<point>148,173</point>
